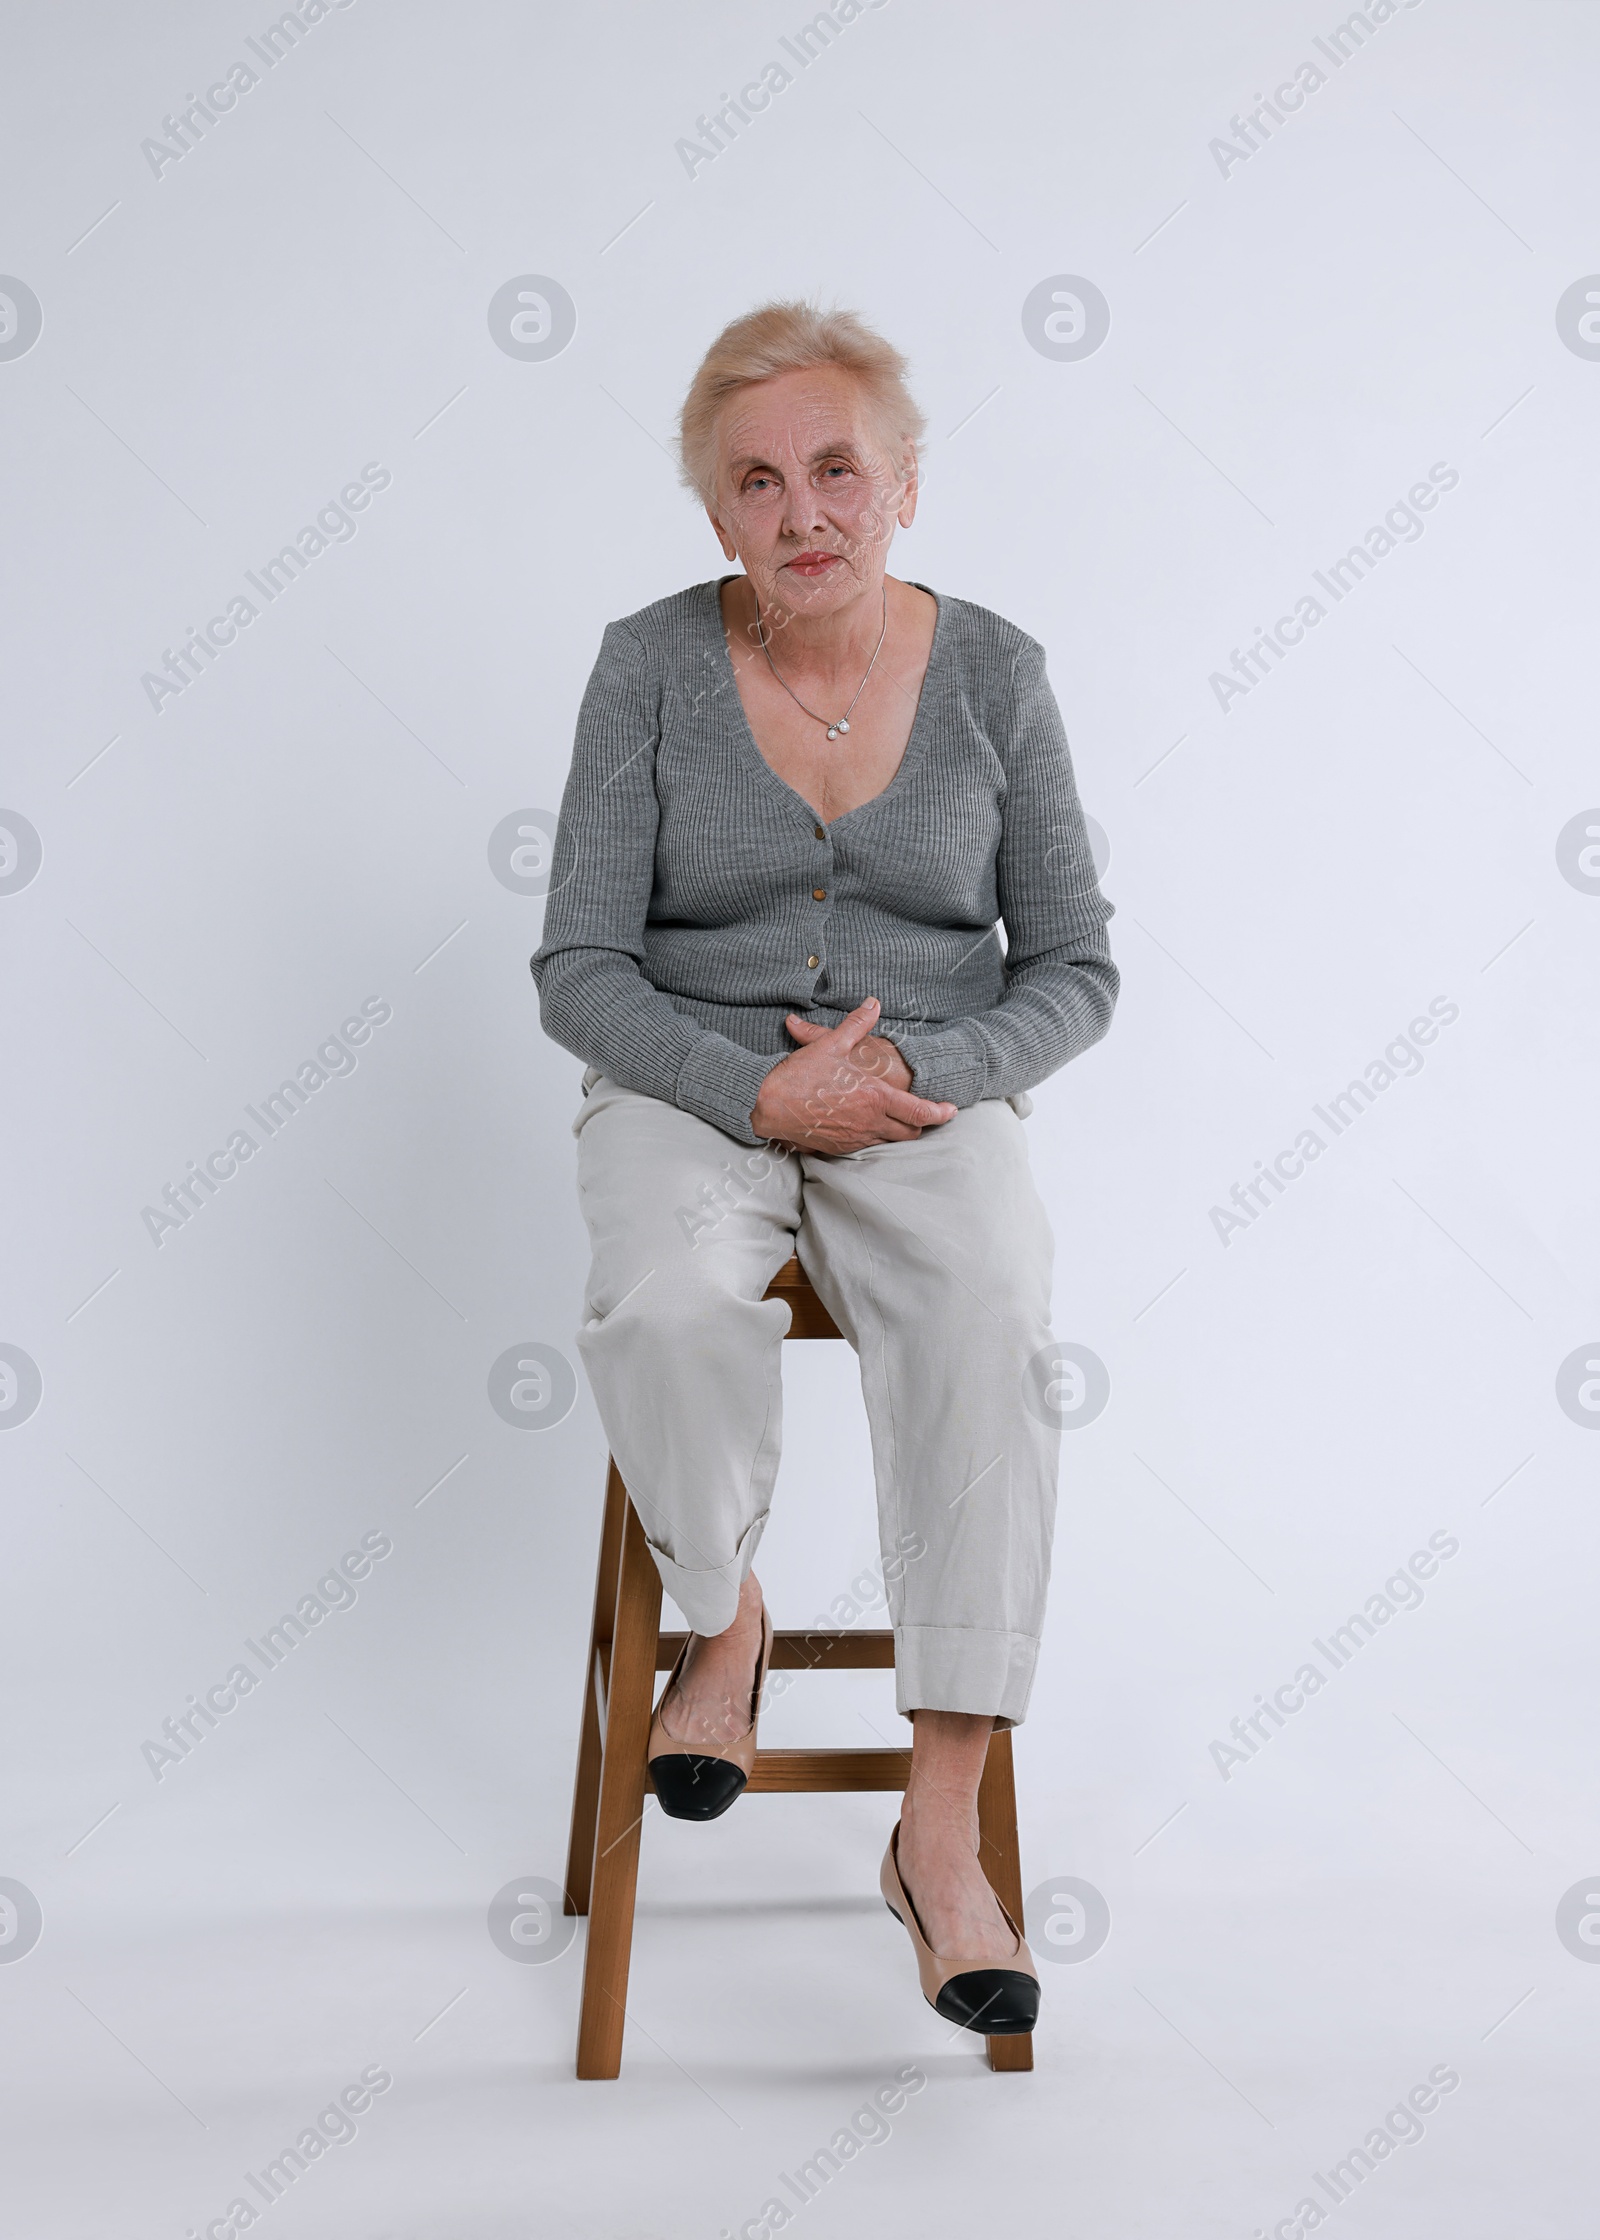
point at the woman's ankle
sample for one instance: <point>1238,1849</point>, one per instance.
<point>935,1824</point>
<point>746,1619</point>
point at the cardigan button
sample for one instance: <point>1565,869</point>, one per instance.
<point>813,962</point>
<point>821,835</point>
<point>819,894</point>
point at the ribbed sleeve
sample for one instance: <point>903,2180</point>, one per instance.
<point>593,996</point>
<point>696,899</point>
<point>1060,983</point>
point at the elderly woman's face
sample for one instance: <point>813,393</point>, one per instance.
<point>806,496</point>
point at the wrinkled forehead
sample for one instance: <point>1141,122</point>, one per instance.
<point>796,418</point>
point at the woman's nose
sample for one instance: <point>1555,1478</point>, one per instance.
<point>801,513</point>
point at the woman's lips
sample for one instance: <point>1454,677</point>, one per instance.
<point>813,563</point>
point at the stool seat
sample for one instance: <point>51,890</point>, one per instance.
<point>627,1648</point>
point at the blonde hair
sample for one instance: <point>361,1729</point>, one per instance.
<point>787,338</point>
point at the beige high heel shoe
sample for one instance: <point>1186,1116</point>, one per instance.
<point>999,2002</point>
<point>695,1784</point>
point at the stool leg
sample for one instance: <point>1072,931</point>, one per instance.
<point>629,1695</point>
<point>586,1787</point>
<point>1002,1862</point>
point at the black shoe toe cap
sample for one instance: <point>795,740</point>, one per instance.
<point>1001,2002</point>
<point>689,1787</point>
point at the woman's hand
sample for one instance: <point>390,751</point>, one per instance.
<point>877,1055</point>
<point>843,1089</point>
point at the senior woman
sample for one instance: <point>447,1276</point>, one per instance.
<point>802,801</point>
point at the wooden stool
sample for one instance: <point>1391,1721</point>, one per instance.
<point>627,1649</point>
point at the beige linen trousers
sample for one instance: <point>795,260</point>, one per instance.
<point>934,1259</point>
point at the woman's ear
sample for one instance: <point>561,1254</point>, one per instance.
<point>729,550</point>
<point>908,504</point>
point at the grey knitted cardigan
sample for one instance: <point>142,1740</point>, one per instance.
<point>682,922</point>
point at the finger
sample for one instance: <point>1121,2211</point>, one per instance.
<point>881,1131</point>
<point>805,1030</point>
<point>857,1025</point>
<point>918,1112</point>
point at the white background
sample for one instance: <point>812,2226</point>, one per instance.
<point>1292,346</point>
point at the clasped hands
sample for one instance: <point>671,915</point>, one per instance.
<point>844,1088</point>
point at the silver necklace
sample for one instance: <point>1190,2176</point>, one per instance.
<point>843,722</point>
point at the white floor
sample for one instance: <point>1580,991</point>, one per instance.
<point>1191,2078</point>
<point>1293,1950</point>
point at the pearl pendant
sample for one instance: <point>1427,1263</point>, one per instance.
<point>834,729</point>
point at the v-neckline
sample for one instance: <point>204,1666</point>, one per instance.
<point>914,742</point>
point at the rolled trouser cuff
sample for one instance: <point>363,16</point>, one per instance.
<point>964,1668</point>
<point>709,1599</point>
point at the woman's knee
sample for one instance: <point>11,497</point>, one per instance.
<point>1001,1309</point>
<point>676,1317</point>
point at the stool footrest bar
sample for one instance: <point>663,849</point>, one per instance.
<point>860,1649</point>
<point>813,1771</point>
